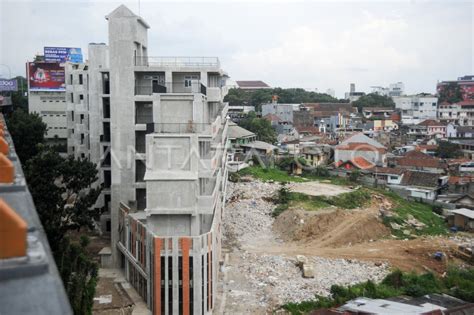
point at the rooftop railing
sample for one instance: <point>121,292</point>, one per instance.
<point>177,62</point>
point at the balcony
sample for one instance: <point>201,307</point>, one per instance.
<point>189,127</point>
<point>149,88</point>
<point>177,62</point>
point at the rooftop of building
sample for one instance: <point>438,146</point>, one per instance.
<point>234,131</point>
<point>417,158</point>
<point>420,179</point>
<point>432,123</point>
<point>30,281</point>
<point>252,84</point>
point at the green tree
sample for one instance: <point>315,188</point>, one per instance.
<point>450,93</point>
<point>354,175</point>
<point>63,193</point>
<point>258,97</point>
<point>79,274</point>
<point>373,100</point>
<point>19,99</point>
<point>260,126</point>
<point>448,150</point>
<point>27,131</point>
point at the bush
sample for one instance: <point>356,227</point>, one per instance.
<point>279,210</point>
<point>354,176</point>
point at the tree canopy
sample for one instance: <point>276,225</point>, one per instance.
<point>19,99</point>
<point>261,127</point>
<point>27,131</point>
<point>450,93</point>
<point>258,97</point>
<point>448,150</point>
<point>61,189</point>
<point>373,100</point>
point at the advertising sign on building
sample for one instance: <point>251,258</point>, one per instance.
<point>8,85</point>
<point>46,76</point>
<point>62,54</point>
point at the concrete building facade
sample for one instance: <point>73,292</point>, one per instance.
<point>158,128</point>
<point>416,108</point>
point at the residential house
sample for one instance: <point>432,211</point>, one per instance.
<point>460,113</point>
<point>238,135</point>
<point>434,128</point>
<point>462,218</point>
<point>316,155</point>
<point>465,132</point>
<point>377,112</point>
<point>416,160</point>
<point>423,185</point>
<point>359,145</point>
<point>388,175</point>
<point>467,148</point>
<point>355,163</point>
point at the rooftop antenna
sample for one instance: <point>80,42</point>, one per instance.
<point>139,8</point>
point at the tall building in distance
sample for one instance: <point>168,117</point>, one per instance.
<point>46,90</point>
<point>466,84</point>
<point>46,97</point>
<point>353,95</point>
<point>416,108</point>
<point>157,127</point>
<point>393,90</point>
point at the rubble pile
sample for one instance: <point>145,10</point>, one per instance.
<point>284,277</point>
<point>248,210</point>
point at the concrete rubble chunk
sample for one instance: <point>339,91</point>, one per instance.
<point>308,271</point>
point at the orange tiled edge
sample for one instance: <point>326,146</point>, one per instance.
<point>7,171</point>
<point>12,232</point>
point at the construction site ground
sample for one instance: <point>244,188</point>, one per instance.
<point>344,246</point>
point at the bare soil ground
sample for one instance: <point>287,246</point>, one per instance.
<point>318,189</point>
<point>351,235</point>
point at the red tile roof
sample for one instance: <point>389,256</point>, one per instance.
<point>432,122</point>
<point>358,162</point>
<point>418,159</point>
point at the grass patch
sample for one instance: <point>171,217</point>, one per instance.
<point>423,212</point>
<point>350,200</point>
<point>458,283</point>
<point>267,174</point>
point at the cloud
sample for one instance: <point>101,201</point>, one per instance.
<point>308,55</point>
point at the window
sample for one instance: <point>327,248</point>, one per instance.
<point>70,79</point>
<point>72,97</point>
<point>81,97</point>
<point>80,79</point>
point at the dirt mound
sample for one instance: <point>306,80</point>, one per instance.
<point>330,228</point>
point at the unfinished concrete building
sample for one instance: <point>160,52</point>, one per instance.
<point>166,125</point>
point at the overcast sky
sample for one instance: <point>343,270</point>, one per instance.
<point>309,44</point>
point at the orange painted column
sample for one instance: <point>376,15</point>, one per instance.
<point>157,276</point>
<point>185,246</point>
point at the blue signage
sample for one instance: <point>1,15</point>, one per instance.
<point>62,54</point>
<point>8,85</point>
